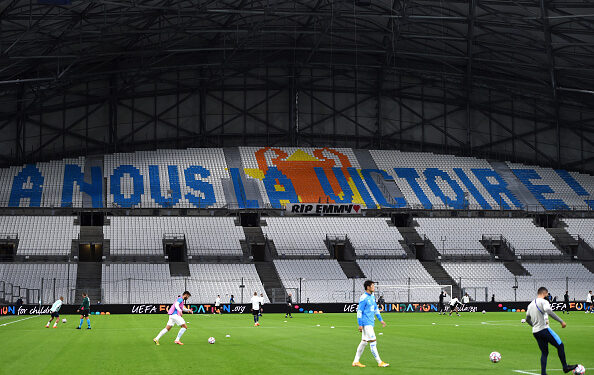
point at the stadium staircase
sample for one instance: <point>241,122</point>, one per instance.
<point>564,241</point>
<point>351,269</point>
<point>499,248</point>
<point>88,279</point>
<point>417,247</point>
<point>516,268</point>
<point>589,266</point>
<point>257,246</point>
<point>389,189</point>
<point>441,277</point>
<point>247,188</point>
<point>271,282</point>
<point>179,269</point>
<point>516,187</point>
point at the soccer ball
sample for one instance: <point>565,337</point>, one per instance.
<point>211,340</point>
<point>495,357</point>
<point>579,370</point>
<point>484,312</point>
<point>63,320</point>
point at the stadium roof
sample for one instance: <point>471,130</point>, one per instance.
<point>540,50</point>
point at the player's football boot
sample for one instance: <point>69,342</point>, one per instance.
<point>569,368</point>
<point>358,364</point>
<point>383,364</point>
<point>77,327</point>
<point>178,342</point>
<point>156,342</point>
<point>47,326</point>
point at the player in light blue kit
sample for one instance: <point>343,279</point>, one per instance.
<point>366,313</point>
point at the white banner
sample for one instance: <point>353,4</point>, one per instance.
<point>323,209</point>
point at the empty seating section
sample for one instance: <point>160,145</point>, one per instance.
<point>41,235</point>
<point>166,178</point>
<point>209,280</point>
<point>139,283</point>
<point>482,280</point>
<point>152,283</point>
<point>299,166</point>
<point>458,236</point>
<point>52,280</point>
<point>425,165</point>
<point>39,185</point>
<point>139,235</point>
<point>400,273</point>
<point>581,227</point>
<point>306,235</point>
<point>565,187</point>
<point>195,177</point>
<point>321,280</point>
<point>559,277</point>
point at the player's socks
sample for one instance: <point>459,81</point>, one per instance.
<point>180,333</point>
<point>373,348</point>
<point>360,350</point>
<point>81,322</point>
<point>89,323</point>
<point>55,324</point>
<point>163,331</point>
<point>47,325</point>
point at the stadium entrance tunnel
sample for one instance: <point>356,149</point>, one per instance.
<point>90,252</point>
<point>92,219</point>
<point>175,252</point>
<point>249,219</point>
<point>7,252</point>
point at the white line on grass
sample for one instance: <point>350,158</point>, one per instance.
<point>530,372</point>
<point>20,320</point>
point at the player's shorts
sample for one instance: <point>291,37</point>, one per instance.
<point>255,312</point>
<point>368,333</point>
<point>55,314</point>
<point>175,320</point>
<point>84,313</point>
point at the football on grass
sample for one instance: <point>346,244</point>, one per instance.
<point>211,340</point>
<point>579,370</point>
<point>495,357</point>
<point>63,320</point>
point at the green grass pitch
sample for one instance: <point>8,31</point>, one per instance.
<point>306,344</point>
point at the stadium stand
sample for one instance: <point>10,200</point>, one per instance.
<point>166,178</point>
<point>401,272</point>
<point>326,175</point>
<point>306,235</point>
<point>51,279</point>
<point>322,280</point>
<point>443,181</point>
<point>581,227</point>
<point>484,279</point>
<point>139,283</point>
<point>559,277</point>
<point>205,236</point>
<point>42,184</point>
<point>41,235</point>
<point>460,236</point>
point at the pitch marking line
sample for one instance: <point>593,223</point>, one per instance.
<point>20,320</point>
<point>530,372</point>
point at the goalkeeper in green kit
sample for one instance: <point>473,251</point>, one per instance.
<point>85,310</point>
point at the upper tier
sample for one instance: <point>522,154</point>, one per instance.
<point>273,176</point>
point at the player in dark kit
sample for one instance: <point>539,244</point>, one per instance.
<point>441,305</point>
<point>85,311</point>
<point>289,306</point>
<point>566,303</point>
